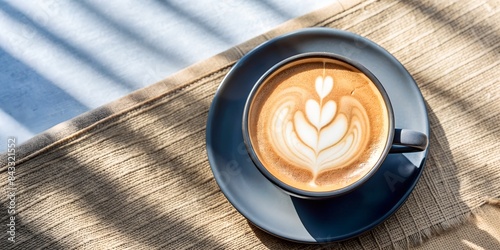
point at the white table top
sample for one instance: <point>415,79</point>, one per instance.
<point>60,59</point>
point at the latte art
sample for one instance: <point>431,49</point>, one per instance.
<point>322,136</point>
<point>318,124</point>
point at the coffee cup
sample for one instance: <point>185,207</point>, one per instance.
<point>319,125</point>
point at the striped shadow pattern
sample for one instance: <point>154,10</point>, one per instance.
<point>134,173</point>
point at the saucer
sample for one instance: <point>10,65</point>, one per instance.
<point>313,221</point>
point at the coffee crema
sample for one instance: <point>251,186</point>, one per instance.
<point>318,124</point>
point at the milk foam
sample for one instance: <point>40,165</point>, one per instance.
<point>318,124</point>
<point>322,136</point>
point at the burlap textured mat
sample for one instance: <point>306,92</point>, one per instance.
<point>134,174</point>
<point>482,232</point>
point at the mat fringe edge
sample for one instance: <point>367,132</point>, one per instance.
<point>417,239</point>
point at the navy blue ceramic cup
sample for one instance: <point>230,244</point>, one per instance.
<point>399,140</point>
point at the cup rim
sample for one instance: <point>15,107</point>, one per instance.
<point>300,193</point>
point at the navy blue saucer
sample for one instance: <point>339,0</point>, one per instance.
<point>313,221</point>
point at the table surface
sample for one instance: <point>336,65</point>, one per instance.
<point>61,59</point>
<point>52,65</point>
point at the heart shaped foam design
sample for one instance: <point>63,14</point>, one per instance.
<point>323,135</point>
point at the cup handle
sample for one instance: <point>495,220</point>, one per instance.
<point>406,140</point>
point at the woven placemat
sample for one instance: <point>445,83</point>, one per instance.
<point>483,232</point>
<point>134,173</point>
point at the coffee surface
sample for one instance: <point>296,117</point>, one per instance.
<point>318,124</point>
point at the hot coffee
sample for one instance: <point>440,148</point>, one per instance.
<point>318,124</point>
